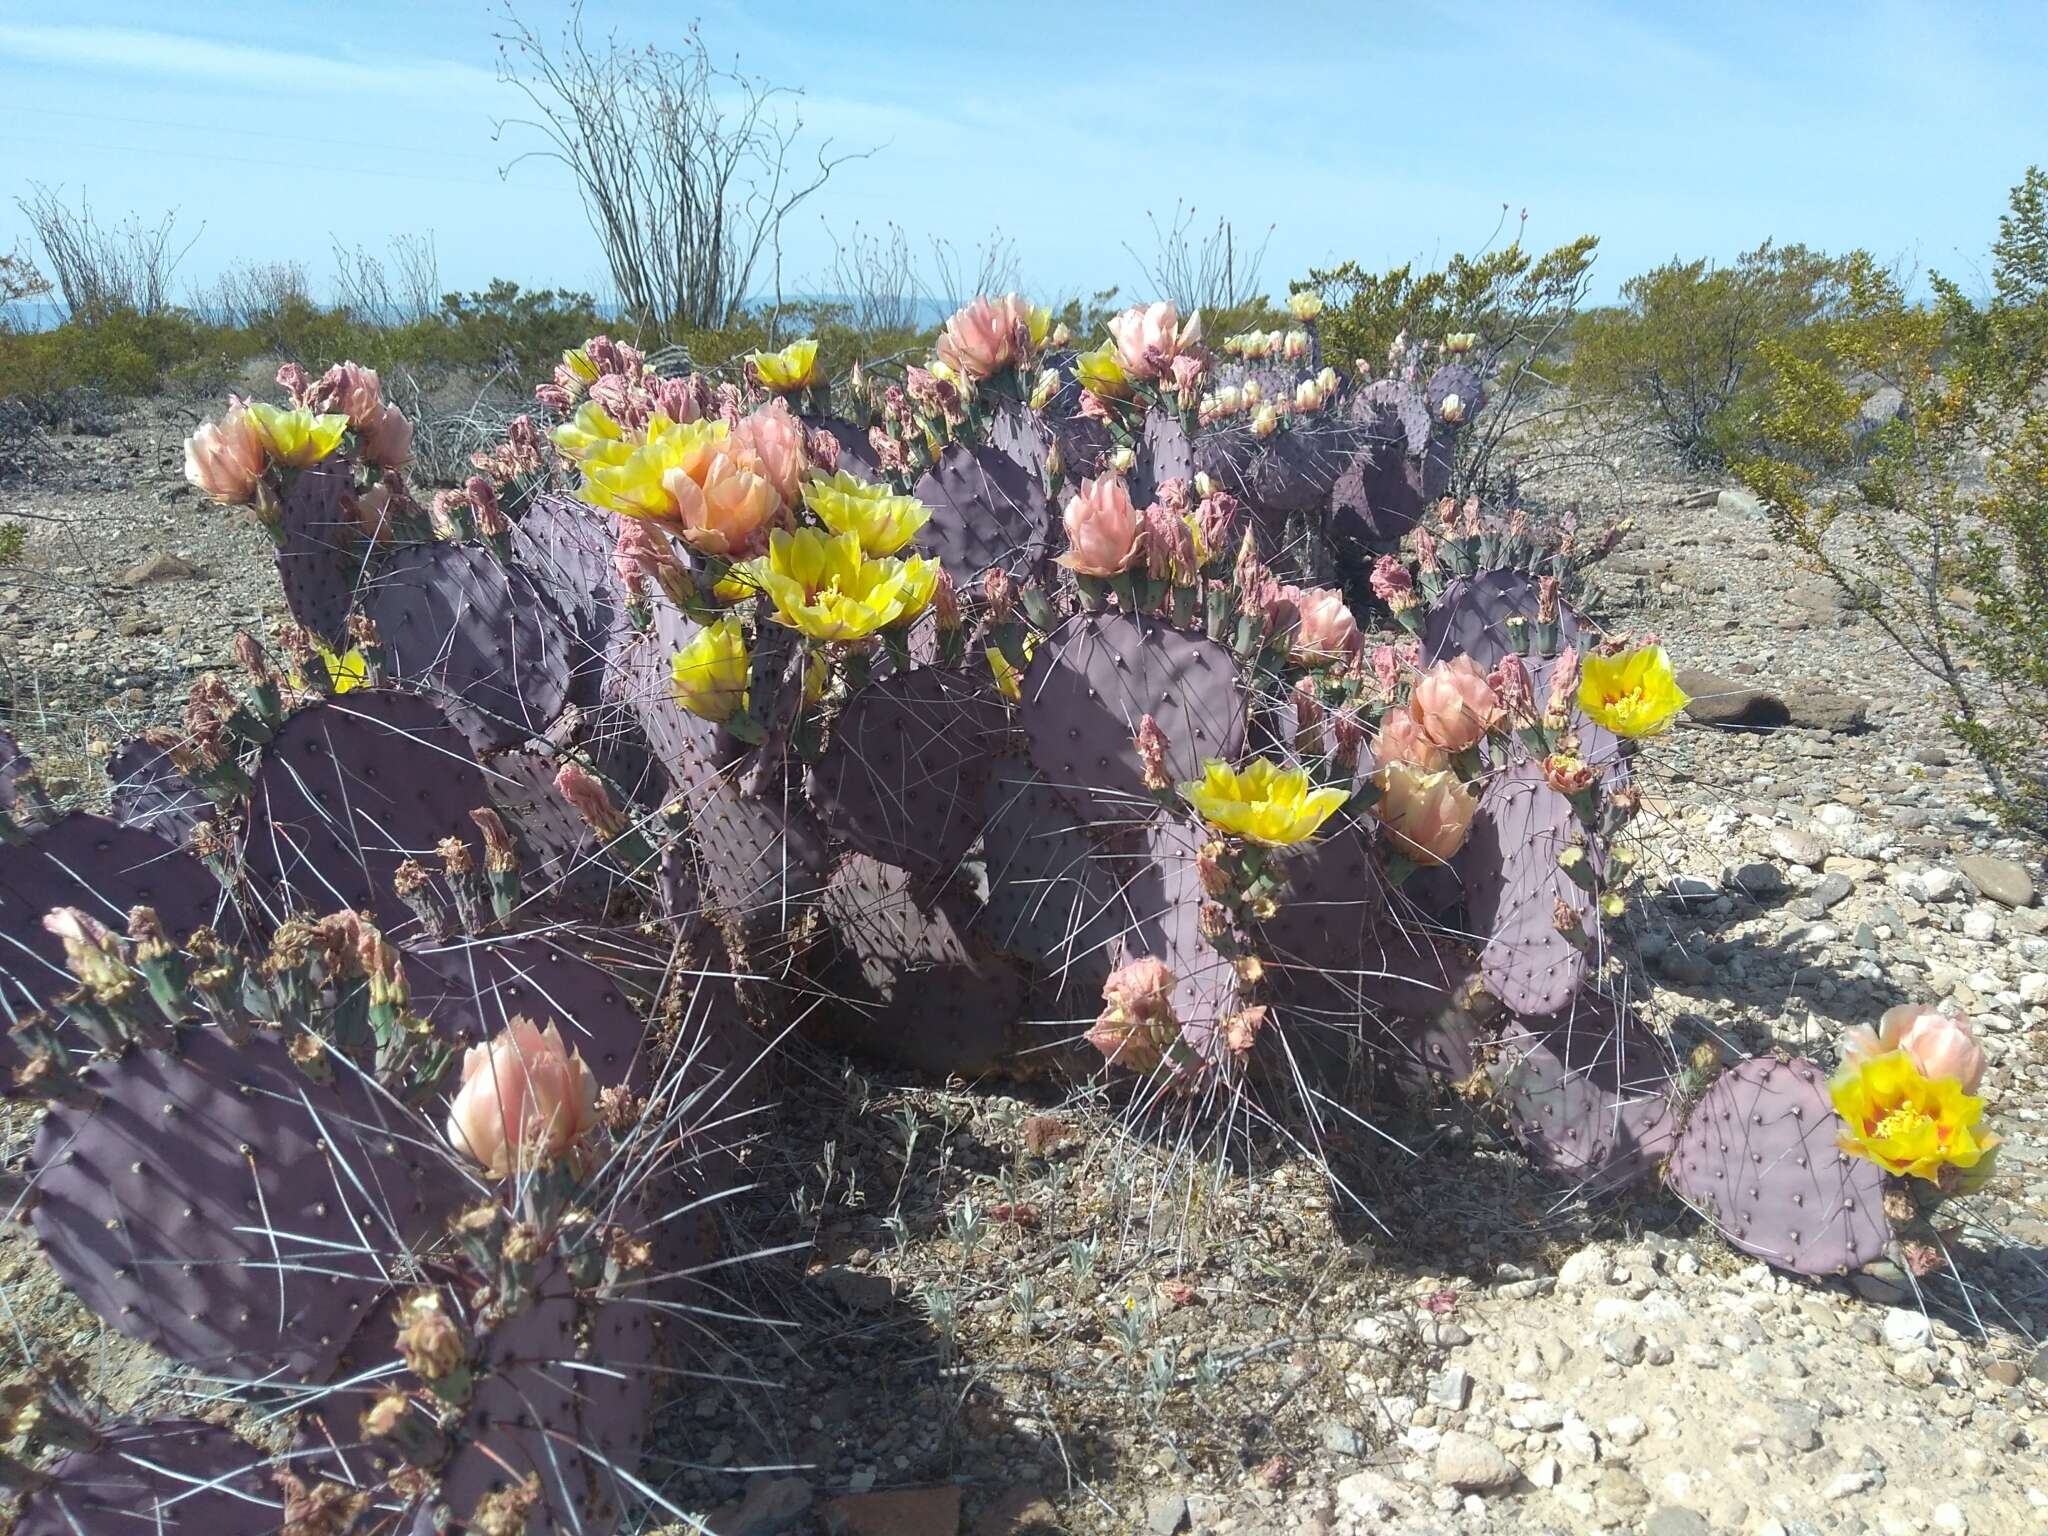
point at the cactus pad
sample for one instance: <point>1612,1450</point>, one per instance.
<point>1052,897</point>
<point>988,511</point>
<point>176,1477</point>
<point>478,636</point>
<point>1460,379</point>
<point>348,791</point>
<point>903,779</point>
<point>103,869</point>
<point>13,762</point>
<point>1517,891</point>
<point>223,1207</point>
<point>1587,1091</point>
<point>1095,678</point>
<point>1761,1158</point>
<point>320,559</point>
<point>1469,618</point>
<point>150,793</point>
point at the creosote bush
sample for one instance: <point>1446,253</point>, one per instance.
<point>1938,532</point>
<point>1684,352</point>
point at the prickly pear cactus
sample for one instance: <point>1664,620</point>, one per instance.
<point>1760,1158</point>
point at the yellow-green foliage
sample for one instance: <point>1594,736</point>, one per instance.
<point>1495,295</point>
<point>1685,349</point>
<point>1950,563</point>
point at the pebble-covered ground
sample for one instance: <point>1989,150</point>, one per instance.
<point>1008,1316</point>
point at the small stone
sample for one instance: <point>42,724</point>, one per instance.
<point>1950,1517</point>
<point>1821,709</point>
<point>1628,1429</point>
<point>1591,1265</point>
<point>1980,927</point>
<point>1831,891</point>
<point>1165,1513</point>
<point>1938,885</point>
<point>1690,891</point>
<point>161,566</point>
<point>1621,1489</point>
<point>1736,502</point>
<point>1758,879</point>
<point>1796,846</point>
<point>1848,1484</point>
<point>2004,1373</point>
<point>1624,1346</point>
<point>1676,1520</point>
<point>1472,1465</point>
<point>1342,1439</point>
<point>1547,1473</point>
<point>1363,1496</point>
<point>1996,879</point>
<point>863,1291</point>
<point>1451,1389</point>
<point>1905,1328</point>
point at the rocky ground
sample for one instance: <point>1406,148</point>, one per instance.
<point>1008,1313</point>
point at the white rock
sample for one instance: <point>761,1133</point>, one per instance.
<point>1626,1430</point>
<point>1950,1517</point>
<point>1905,1328</point>
<point>1473,1465</point>
<point>1591,1265</point>
<point>1835,816</point>
<point>2033,988</point>
<point>1547,1473</point>
<point>1980,926</point>
<point>1938,884</point>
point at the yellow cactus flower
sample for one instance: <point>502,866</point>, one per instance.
<point>1908,1123</point>
<point>346,670</point>
<point>823,586</point>
<point>817,674</point>
<point>794,367</point>
<point>1633,694</point>
<point>882,520</point>
<point>1101,373</point>
<point>742,579</point>
<point>591,435</point>
<point>636,484</point>
<point>296,439</point>
<point>1262,802</point>
<point>710,673</point>
<point>578,362</point>
<point>1038,323</point>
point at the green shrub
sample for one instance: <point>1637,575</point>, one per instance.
<point>1684,349</point>
<point>1949,561</point>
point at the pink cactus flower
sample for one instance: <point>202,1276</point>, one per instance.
<point>292,379</point>
<point>1941,1046</point>
<point>1327,631</point>
<point>1137,1022</point>
<point>1516,690</point>
<point>1455,705</point>
<point>1400,739</point>
<point>987,336</point>
<point>1149,337</point>
<point>526,1099</point>
<point>225,458</point>
<point>483,506</point>
<point>1184,376</point>
<point>678,400</point>
<point>1428,815</point>
<point>387,441</point>
<point>1564,686</point>
<point>770,443</point>
<point>1386,669</point>
<point>588,797</point>
<point>823,450</point>
<point>1392,583</point>
<point>372,512</point>
<point>1102,528</point>
<point>351,390</point>
<point>727,513</point>
<point>642,553</point>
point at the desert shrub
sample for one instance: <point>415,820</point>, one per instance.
<point>1940,534</point>
<point>1684,350</point>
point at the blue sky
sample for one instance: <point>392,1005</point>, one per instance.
<point>1381,132</point>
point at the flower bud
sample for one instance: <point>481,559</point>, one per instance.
<point>1265,421</point>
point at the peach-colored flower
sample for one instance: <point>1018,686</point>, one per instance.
<point>725,509</point>
<point>387,440</point>
<point>1137,1022</point>
<point>1149,337</point>
<point>372,510</point>
<point>770,443</point>
<point>225,458</point>
<point>1400,740</point>
<point>1427,814</point>
<point>1454,704</point>
<point>989,335</point>
<point>352,390</point>
<point>525,1099</point>
<point>1941,1046</point>
<point>1327,631</point>
<point>1102,528</point>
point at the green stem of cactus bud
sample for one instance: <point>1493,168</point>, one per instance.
<point>631,853</point>
<point>96,1022</point>
<point>1038,609</point>
<point>1399,868</point>
<point>1218,606</point>
<point>896,641</point>
<point>309,1054</point>
<point>462,522</point>
<point>1545,634</point>
<point>1184,600</point>
<point>247,727</point>
<point>854,658</point>
<point>505,891</point>
<point>1536,740</point>
<point>1130,591</point>
<point>1094,592</point>
<point>953,646</point>
<point>168,976</point>
<point>1468,765</point>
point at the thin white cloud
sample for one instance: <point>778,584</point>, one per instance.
<point>179,56</point>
